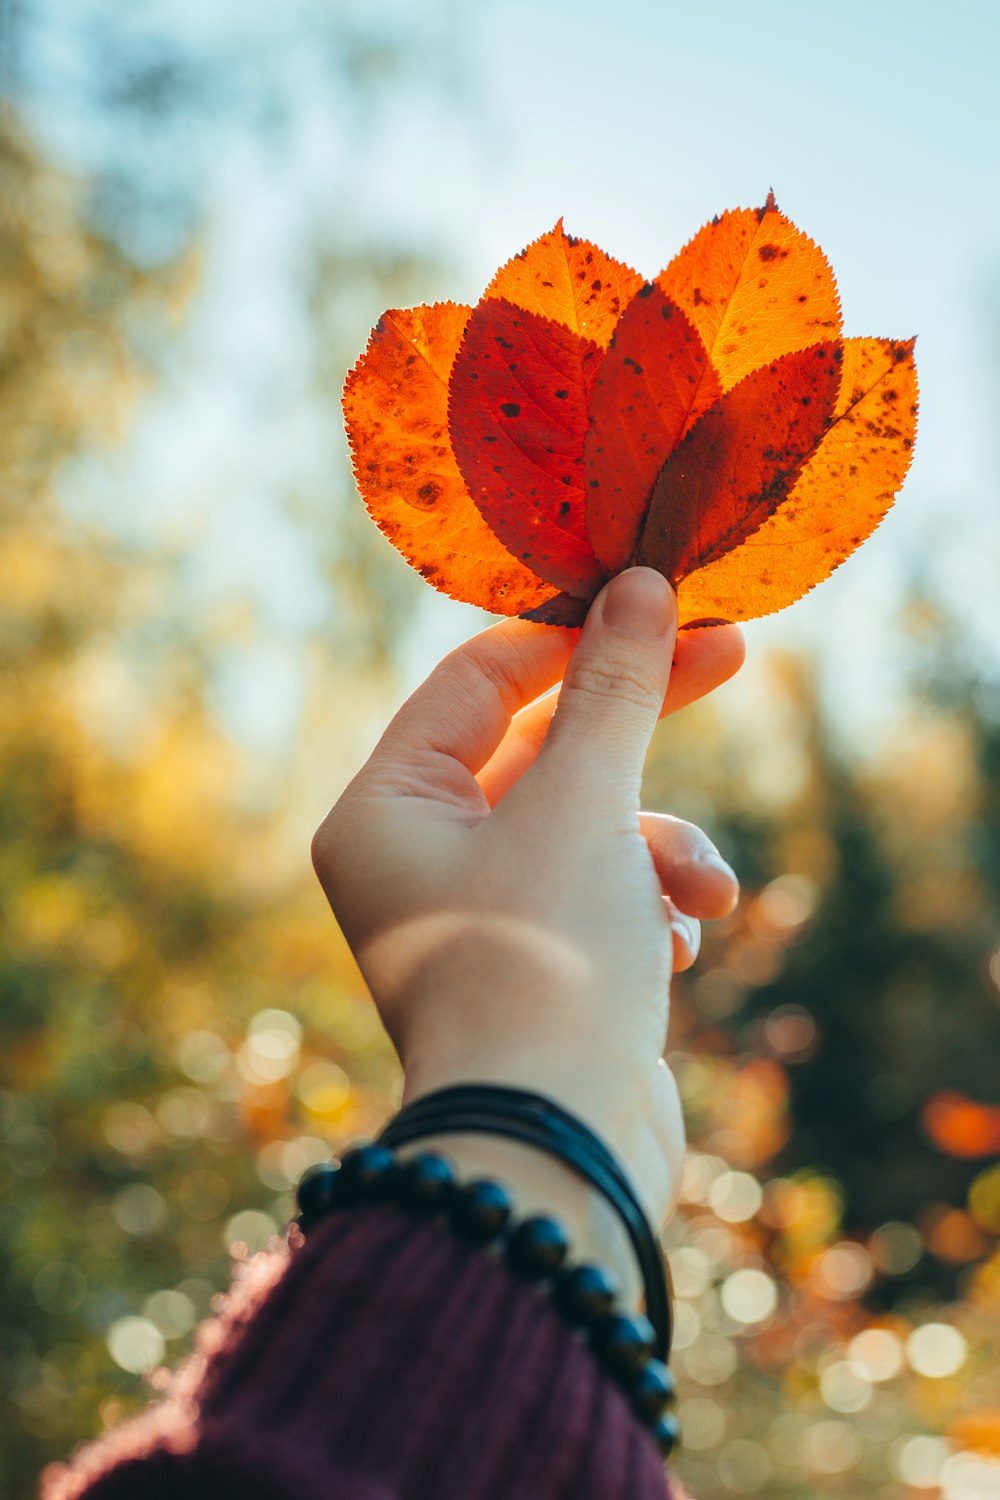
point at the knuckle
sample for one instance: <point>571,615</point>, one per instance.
<point>615,679</point>
<point>322,847</point>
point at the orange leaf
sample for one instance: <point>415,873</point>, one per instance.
<point>739,462</point>
<point>655,380</point>
<point>755,287</point>
<point>520,396</point>
<point>579,420</point>
<point>841,495</point>
<point>569,280</point>
<point>396,407</point>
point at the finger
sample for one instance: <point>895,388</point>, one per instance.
<point>612,692</point>
<point>703,659</point>
<point>464,708</point>
<point>686,934</point>
<point>692,872</point>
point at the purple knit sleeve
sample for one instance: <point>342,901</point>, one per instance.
<point>383,1361</point>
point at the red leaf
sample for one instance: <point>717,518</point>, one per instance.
<point>739,462</point>
<point>588,421</point>
<point>841,495</point>
<point>396,407</point>
<point>520,396</point>
<point>654,382</point>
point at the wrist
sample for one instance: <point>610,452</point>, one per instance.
<point>541,1185</point>
<point>635,1111</point>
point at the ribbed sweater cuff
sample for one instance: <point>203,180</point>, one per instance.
<point>391,1362</point>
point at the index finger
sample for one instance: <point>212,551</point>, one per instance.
<point>464,708</point>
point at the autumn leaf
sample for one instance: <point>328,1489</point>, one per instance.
<point>655,381</point>
<point>520,403</point>
<point>713,424</point>
<point>841,495</point>
<point>396,406</point>
<point>755,287</point>
<point>570,281</point>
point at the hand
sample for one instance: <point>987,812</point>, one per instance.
<point>514,915</point>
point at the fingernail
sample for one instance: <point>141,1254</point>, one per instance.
<point>688,930</point>
<point>713,858</point>
<point>639,602</point>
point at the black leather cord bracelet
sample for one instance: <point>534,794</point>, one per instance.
<point>493,1109</point>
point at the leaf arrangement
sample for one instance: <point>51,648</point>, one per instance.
<point>713,424</point>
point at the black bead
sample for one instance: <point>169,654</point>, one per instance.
<point>479,1211</point>
<point>585,1294</point>
<point>537,1248</point>
<point>366,1173</point>
<point>425,1184</point>
<point>652,1390</point>
<point>667,1434</point>
<point>316,1193</point>
<point>624,1342</point>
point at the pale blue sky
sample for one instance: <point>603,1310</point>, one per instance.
<point>877,124</point>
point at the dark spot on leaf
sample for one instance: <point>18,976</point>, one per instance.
<point>667,311</point>
<point>565,508</point>
<point>646,289</point>
<point>511,409</point>
<point>804,297</point>
<point>768,252</point>
<point>595,286</point>
<point>504,343</point>
<point>428,493</point>
<point>562,395</point>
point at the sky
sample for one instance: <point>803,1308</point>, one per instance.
<point>876,126</point>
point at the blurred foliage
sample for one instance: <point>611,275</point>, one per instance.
<point>182,1031</point>
<point>837,1249</point>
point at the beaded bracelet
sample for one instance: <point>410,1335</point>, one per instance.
<point>534,1250</point>
<point>538,1121</point>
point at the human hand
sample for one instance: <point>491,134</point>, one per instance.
<point>515,917</point>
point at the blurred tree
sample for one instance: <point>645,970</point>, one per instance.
<point>836,1050</point>
<point>181,1031</point>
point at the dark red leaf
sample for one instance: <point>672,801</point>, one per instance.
<point>654,383</point>
<point>519,401</point>
<point>739,462</point>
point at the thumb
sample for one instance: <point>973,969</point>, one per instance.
<point>615,684</point>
